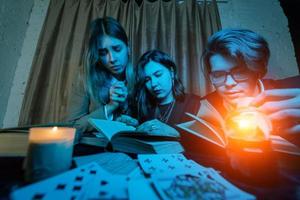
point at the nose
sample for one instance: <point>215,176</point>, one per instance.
<point>112,57</point>
<point>154,83</point>
<point>230,81</point>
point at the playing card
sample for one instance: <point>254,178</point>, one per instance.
<point>141,188</point>
<point>69,185</point>
<point>161,163</point>
<point>107,186</point>
<point>193,185</point>
<point>137,173</point>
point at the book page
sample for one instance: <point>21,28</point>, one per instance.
<point>202,131</point>
<point>109,128</point>
<point>213,129</point>
<point>13,144</point>
<point>280,144</point>
<point>208,113</point>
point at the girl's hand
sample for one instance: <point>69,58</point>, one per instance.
<point>156,127</point>
<point>117,94</point>
<point>130,121</point>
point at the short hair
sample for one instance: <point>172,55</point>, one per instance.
<point>145,101</point>
<point>246,47</point>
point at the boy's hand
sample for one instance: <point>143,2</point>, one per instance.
<point>282,107</point>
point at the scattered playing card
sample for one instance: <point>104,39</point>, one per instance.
<point>108,187</point>
<point>158,163</point>
<point>193,185</point>
<point>69,185</point>
<point>161,163</point>
<point>141,189</point>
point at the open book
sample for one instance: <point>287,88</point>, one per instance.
<point>207,131</point>
<point>125,138</point>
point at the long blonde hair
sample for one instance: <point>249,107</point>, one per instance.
<point>98,79</point>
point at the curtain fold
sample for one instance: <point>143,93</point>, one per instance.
<point>180,28</point>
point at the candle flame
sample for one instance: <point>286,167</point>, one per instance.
<point>246,124</point>
<point>54,128</point>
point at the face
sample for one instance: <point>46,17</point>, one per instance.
<point>159,82</point>
<point>232,90</point>
<point>113,54</point>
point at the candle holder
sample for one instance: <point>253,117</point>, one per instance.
<point>49,152</point>
<point>248,149</point>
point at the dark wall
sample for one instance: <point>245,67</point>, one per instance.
<point>291,9</point>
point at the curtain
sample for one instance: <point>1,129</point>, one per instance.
<point>180,28</point>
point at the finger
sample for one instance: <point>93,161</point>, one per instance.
<point>120,91</point>
<point>119,94</point>
<point>117,91</point>
<point>294,130</point>
<point>131,121</point>
<point>287,114</point>
<point>275,95</point>
<point>274,106</point>
<point>126,119</point>
<point>119,84</point>
<point>134,122</point>
<point>258,100</point>
<point>149,126</point>
<point>141,127</point>
<point>118,99</point>
<point>119,119</point>
<point>123,88</point>
<point>113,95</point>
<point>291,131</point>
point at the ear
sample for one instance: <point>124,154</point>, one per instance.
<point>129,50</point>
<point>172,73</point>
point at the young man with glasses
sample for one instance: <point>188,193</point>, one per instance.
<point>236,61</point>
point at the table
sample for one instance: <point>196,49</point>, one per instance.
<point>287,185</point>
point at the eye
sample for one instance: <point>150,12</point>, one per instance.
<point>241,71</point>
<point>117,48</point>
<point>158,74</point>
<point>218,74</point>
<point>147,79</point>
<point>102,52</point>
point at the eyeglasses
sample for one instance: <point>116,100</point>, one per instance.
<point>238,74</point>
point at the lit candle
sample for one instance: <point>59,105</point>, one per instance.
<point>49,152</point>
<point>248,124</point>
<point>248,144</point>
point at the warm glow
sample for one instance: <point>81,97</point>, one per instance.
<point>245,124</point>
<point>48,134</point>
<point>248,124</point>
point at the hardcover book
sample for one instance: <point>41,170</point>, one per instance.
<point>211,133</point>
<point>125,138</point>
